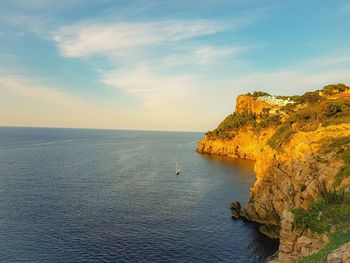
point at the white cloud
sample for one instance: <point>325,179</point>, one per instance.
<point>87,39</point>
<point>180,99</point>
<point>156,89</point>
<point>202,55</point>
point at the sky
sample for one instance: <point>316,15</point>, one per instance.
<point>162,65</point>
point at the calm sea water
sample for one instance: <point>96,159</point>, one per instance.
<point>71,195</point>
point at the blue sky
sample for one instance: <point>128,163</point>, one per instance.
<point>161,65</point>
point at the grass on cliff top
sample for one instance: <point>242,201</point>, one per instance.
<point>339,238</point>
<point>330,214</point>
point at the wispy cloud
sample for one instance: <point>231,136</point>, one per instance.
<point>202,55</point>
<point>87,39</point>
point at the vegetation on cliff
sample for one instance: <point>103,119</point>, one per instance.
<point>331,215</point>
<point>331,211</point>
<point>307,113</point>
<point>338,238</point>
<point>341,146</point>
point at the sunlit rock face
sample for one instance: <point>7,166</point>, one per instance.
<point>249,103</point>
<point>287,176</point>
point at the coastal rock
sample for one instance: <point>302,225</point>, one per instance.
<point>284,179</point>
<point>287,176</point>
<point>235,205</point>
<point>304,240</point>
<point>236,214</point>
<point>248,103</point>
<point>340,255</point>
<point>236,209</point>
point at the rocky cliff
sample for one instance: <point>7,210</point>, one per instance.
<point>298,148</point>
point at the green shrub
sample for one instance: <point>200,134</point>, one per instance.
<point>257,94</point>
<point>332,196</point>
<point>334,89</point>
<point>332,209</point>
<point>341,146</point>
<point>311,97</point>
<point>338,111</point>
<point>232,122</point>
<point>269,120</point>
<point>280,136</point>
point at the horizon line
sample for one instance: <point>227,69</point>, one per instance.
<point>91,128</point>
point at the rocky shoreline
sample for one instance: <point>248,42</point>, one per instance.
<point>288,176</point>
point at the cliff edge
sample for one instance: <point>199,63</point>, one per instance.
<point>301,145</point>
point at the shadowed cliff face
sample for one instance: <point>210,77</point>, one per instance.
<point>293,156</point>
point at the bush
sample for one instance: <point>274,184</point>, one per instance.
<point>333,196</point>
<point>232,122</point>
<point>334,89</point>
<point>332,209</point>
<point>257,94</point>
<point>280,136</point>
<point>311,97</point>
<point>269,120</point>
<point>338,111</point>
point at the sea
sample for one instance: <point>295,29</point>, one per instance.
<point>84,195</point>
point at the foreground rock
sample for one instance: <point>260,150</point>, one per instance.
<point>296,243</point>
<point>236,209</point>
<point>340,255</point>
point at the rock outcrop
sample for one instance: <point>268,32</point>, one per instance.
<point>287,176</point>
<point>340,255</point>
<point>296,243</point>
<point>250,104</point>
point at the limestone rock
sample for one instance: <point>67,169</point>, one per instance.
<point>287,176</point>
<point>236,214</point>
<point>235,205</point>
<point>304,240</point>
<point>288,216</point>
<point>340,255</point>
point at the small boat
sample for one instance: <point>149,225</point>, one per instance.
<point>178,171</point>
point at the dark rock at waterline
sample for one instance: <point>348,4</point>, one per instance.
<point>236,209</point>
<point>235,205</point>
<point>236,214</point>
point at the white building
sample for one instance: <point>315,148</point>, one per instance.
<point>272,100</point>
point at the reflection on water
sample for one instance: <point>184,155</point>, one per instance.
<point>243,165</point>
